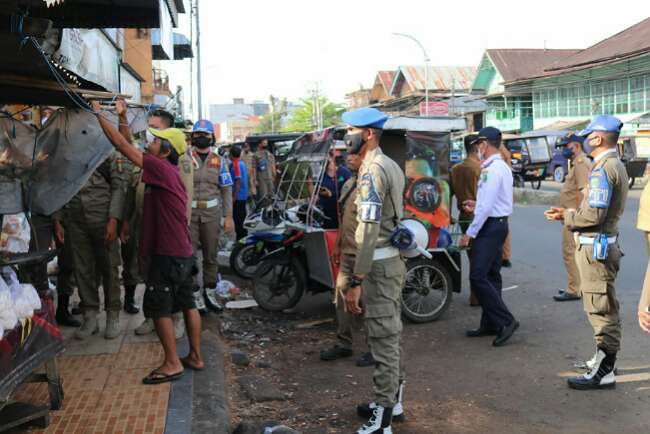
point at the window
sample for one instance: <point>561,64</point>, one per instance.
<point>622,96</point>
<point>552,103</point>
<point>585,101</point>
<point>609,89</point>
<point>574,101</point>
<point>536,112</point>
<point>636,94</point>
<point>543,104</point>
<point>561,102</point>
<point>596,99</point>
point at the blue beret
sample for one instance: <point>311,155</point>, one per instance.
<point>489,133</point>
<point>570,139</point>
<point>604,123</point>
<point>366,117</point>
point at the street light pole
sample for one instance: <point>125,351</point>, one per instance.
<point>426,69</point>
<point>199,89</point>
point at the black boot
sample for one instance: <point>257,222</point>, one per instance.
<point>129,300</point>
<point>334,353</point>
<point>63,316</point>
<point>366,410</point>
<point>379,422</point>
<point>600,376</point>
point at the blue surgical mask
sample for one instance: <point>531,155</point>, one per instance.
<point>567,153</point>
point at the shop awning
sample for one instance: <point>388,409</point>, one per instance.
<point>182,46</point>
<point>91,13</point>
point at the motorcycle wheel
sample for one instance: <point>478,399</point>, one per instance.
<point>427,290</point>
<point>244,259</point>
<point>279,283</point>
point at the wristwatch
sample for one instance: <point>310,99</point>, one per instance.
<point>355,281</point>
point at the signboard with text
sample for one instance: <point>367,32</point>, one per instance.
<point>436,108</point>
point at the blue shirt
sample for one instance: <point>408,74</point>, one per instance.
<point>494,196</point>
<point>238,172</point>
<point>329,204</point>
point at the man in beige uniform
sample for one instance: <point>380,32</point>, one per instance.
<point>344,256</point>
<point>379,271</point>
<point>570,197</point>
<point>249,157</point>
<point>598,254</point>
<point>211,200</point>
<point>264,162</point>
<point>91,220</point>
<point>506,257</point>
<point>643,224</point>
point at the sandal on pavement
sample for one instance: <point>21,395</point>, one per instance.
<point>157,377</point>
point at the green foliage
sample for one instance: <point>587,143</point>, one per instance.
<point>272,122</point>
<point>304,117</point>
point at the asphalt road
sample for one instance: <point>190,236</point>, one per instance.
<point>461,385</point>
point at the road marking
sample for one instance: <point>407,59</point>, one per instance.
<point>510,288</point>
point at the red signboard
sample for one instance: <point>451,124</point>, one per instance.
<point>436,108</point>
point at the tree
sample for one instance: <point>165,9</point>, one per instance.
<point>306,116</point>
<point>272,121</point>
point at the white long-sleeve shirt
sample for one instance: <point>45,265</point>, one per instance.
<point>494,196</point>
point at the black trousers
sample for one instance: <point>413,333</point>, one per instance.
<point>239,215</point>
<point>485,273</point>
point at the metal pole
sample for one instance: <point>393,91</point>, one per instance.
<point>426,69</point>
<point>191,61</point>
<point>198,62</point>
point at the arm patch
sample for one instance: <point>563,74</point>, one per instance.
<point>600,190</point>
<point>370,203</point>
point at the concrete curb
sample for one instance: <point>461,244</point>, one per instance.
<point>209,402</point>
<point>529,196</point>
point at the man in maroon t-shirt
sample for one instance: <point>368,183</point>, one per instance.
<point>165,242</point>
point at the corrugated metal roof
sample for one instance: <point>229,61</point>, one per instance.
<point>440,77</point>
<point>632,41</point>
<point>386,78</point>
<point>516,63</point>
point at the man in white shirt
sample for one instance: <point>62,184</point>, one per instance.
<point>487,233</point>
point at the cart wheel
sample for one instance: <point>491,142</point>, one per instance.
<point>244,259</point>
<point>536,184</point>
<point>631,183</point>
<point>519,181</point>
<point>427,292</point>
<point>279,283</point>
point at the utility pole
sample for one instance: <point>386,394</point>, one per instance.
<point>199,89</point>
<point>191,59</point>
<point>426,70</point>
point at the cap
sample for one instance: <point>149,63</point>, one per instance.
<point>174,136</point>
<point>603,123</point>
<point>570,139</point>
<point>366,117</point>
<point>203,126</point>
<point>489,133</point>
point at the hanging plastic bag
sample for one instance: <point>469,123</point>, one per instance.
<point>32,296</point>
<point>22,303</point>
<point>15,234</point>
<point>8,318</point>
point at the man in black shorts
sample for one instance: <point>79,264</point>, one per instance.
<point>165,242</point>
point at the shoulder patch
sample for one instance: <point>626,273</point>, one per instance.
<point>370,203</point>
<point>186,165</point>
<point>600,190</point>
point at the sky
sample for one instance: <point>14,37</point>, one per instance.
<point>256,48</point>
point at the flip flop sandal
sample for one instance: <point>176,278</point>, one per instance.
<point>188,366</point>
<point>157,377</point>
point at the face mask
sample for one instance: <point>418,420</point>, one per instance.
<point>354,142</point>
<point>201,142</point>
<point>588,147</point>
<point>567,153</point>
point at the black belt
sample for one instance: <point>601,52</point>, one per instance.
<point>499,219</point>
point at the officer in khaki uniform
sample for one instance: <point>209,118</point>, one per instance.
<point>570,197</point>
<point>598,254</point>
<point>264,163</point>
<point>212,199</point>
<point>643,224</point>
<point>344,256</point>
<point>379,271</point>
<point>248,156</point>
<point>506,257</point>
<point>91,220</point>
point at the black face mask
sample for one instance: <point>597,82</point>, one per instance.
<point>201,142</point>
<point>354,142</point>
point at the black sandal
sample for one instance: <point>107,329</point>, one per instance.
<point>157,377</point>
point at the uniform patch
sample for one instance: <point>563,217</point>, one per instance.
<point>600,190</point>
<point>186,166</point>
<point>370,202</point>
<point>484,175</point>
<point>225,180</point>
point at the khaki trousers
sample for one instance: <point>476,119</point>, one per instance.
<point>94,262</point>
<point>205,235</point>
<point>569,255</point>
<point>382,294</point>
<point>346,322</point>
<point>599,295</point>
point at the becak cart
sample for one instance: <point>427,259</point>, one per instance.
<point>420,146</point>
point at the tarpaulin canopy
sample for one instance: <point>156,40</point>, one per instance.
<point>41,170</point>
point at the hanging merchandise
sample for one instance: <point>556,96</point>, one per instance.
<point>15,234</point>
<point>8,318</point>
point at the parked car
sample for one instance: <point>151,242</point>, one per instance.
<point>558,166</point>
<point>530,157</point>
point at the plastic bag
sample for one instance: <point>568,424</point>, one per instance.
<point>31,294</point>
<point>23,305</point>
<point>15,234</point>
<point>8,318</point>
